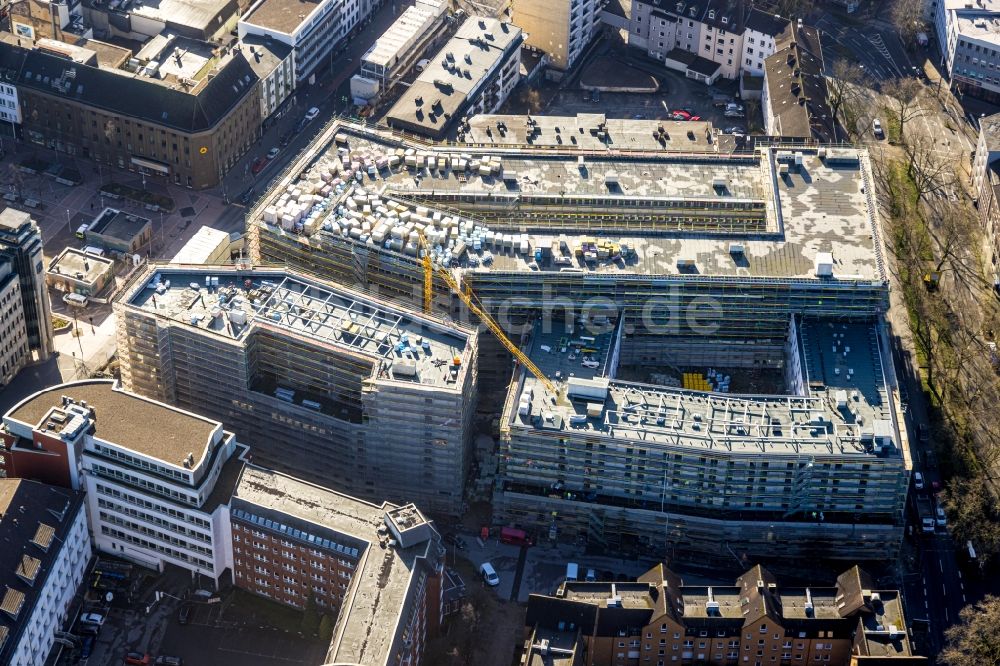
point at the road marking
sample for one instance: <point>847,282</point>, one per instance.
<point>963,599</point>
<point>961,586</point>
<point>946,615</point>
<point>960,575</point>
<point>924,579</point>
<point>940,566</point>
<point>944,590</point>
<point>925,604</point>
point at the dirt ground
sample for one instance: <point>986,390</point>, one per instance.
<point>488,631</point>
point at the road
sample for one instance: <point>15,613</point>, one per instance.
<point>873,45</point>
<point>330,94</point>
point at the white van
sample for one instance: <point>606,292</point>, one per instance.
<point>489,574</point>
<point>918,480</point>
<point>572,571</point>
<point>591,576</point>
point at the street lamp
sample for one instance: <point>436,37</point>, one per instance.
<point>69,225</point>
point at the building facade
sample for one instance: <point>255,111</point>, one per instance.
<point>377,568</point>
<point>21,246</point>
<point>325,383</point>
<point>560,28</point>
<point>157,479</point>
<point>186,131</point>
<point>970,45</point>
<point>47,549</point>
<point>986,185</point>
<point>61,20</point>
<point>658,620</point>
<point>14,350</point>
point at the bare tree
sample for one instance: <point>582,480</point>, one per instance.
<point>908,18</point>
<point>792,8</point>
<point>929,171</point>
<point>903,98</point>
<point>844,89</point>
<point>974,641</point>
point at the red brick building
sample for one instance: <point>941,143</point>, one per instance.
<point>377,569</point>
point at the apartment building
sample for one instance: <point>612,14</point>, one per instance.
<point>44,558</point>
<point>561,29</point>
<point>331,385</point>
<point>986,186</point>
<point>185,115</point>
<point>14,351</point>
<point>794,97</point>
<point>157,479</point>
<point>21,249</point>
<point>659,620</point>
<point>474,72</point>
<point>969,37</point>
<point>376,568</point>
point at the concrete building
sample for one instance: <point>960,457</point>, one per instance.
<point>205,20</point>
<point>659,620</point>
<point>61,20</point>
<point>761,34</point>
<point>560,28</point>
<point>735,262</point>
<point>273,64</point>
<point>968,35</point>
<point>21,246</point>
<point>377,568</point>
<point>44,557</point>
<point>986,186</point>
<point>794,98</point>
<point>331,385</point>
<point>79,272</point>
<point>473,73</point>
<point>14,350</point>
<point>158,479</point>
<point>185,114</point>
<point>120,232</point>
<point>311,29</point>
<point>398,49</point>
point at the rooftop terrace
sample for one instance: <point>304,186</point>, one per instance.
<point>845,408</point>
<point>675,214</point>
<point>230,302</point>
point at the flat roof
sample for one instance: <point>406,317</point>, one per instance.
<point>80,265</point>
<point>581,131</point>
<point>381,590</point>
<point>201,247</point>
<point>280,15</point>
<point>392,45</point>
<point>678,213</point>
<point>118,224</point>
<point>128,420</point>
<point>845,408</point>
<point>455,72</point>
<point>197,14</point>
<point>403,345</point>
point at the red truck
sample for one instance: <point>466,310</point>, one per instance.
<point>515,537</point>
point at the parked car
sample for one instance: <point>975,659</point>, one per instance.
<point>312,113</point>
<point>184,614</point>
<point>939,517</point>
<point>87,646</point>
<point>680,114</point>
<point>489,574</point>
<point>877,129</point>
<point>286,138</point>
<point>735,129</point>
<point>167,660</point>
<point>271,154</point>
<point>918,480</point>
<point>95,619</point>
<point>301,125</point>
<point>734,113</point>
<point>247,196</point>
<point>137,659</point>
<point>258,165</point>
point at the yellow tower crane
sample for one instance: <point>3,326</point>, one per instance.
<point>478,309</point>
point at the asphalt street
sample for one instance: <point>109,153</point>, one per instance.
<point>874,47</point>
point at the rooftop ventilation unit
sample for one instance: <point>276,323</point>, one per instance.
<point>824,264</point>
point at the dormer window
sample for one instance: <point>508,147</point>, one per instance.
<point>725,20</point>
<point>711,13</point>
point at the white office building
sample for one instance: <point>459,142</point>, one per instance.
<point>158,479</point>
<point>44,557</point>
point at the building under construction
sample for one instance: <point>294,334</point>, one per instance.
<point>683,257</point>
<point>325,383</point>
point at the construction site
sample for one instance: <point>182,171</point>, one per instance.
<point>325,383</point>
<point>720,294</point>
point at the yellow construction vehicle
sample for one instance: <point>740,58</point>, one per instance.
<point>478,309</point>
